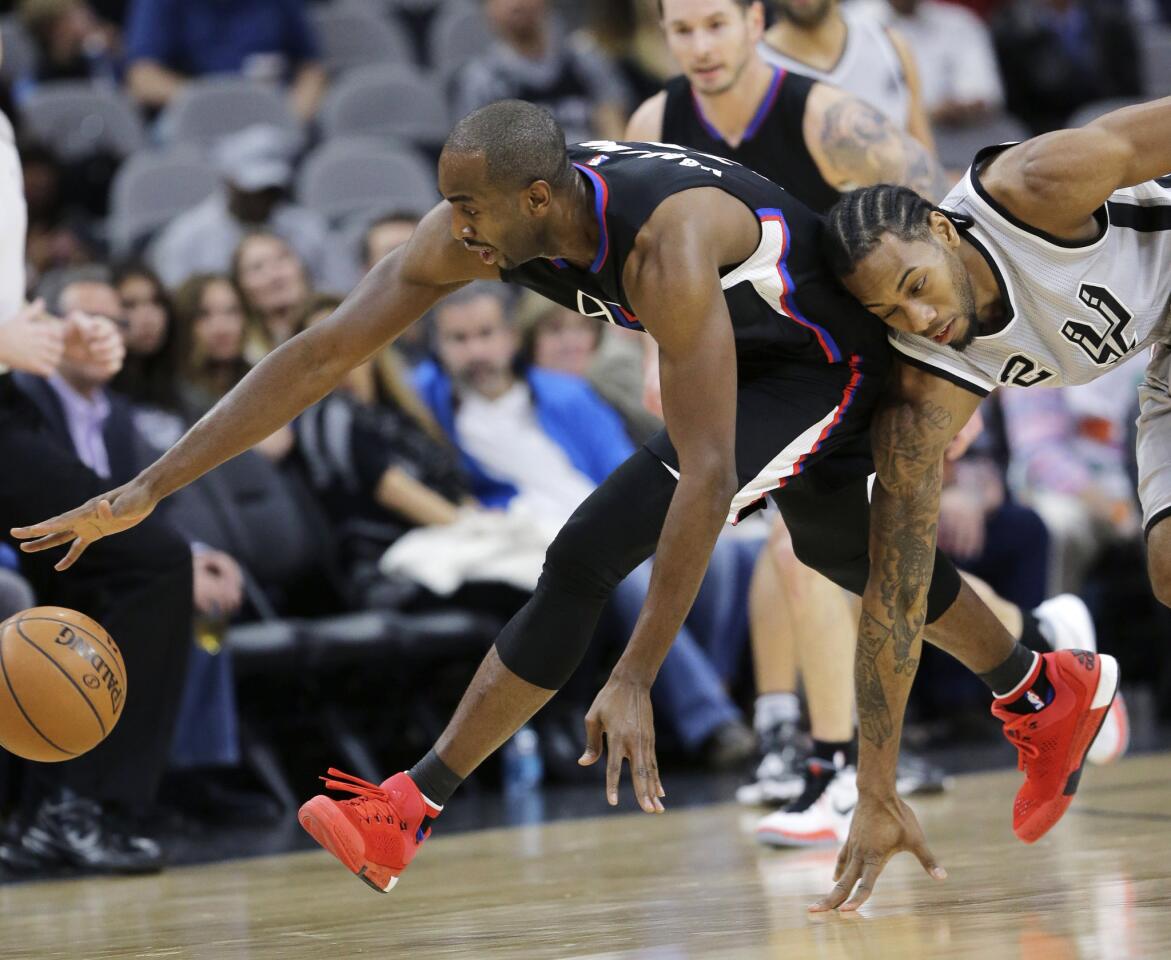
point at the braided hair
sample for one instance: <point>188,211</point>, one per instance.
<point>857,222</point>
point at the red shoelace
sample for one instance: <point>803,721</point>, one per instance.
<point>371,802</point>
<point>1026,749</point>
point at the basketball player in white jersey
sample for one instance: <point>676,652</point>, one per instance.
<point>1047,265</point>
<point>852,51</point>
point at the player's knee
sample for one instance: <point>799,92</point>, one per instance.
<point>1159,562</point>
<point>574,561</point>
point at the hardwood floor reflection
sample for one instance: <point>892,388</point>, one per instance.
<point>691,884</point>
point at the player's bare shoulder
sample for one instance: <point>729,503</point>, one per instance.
<point>433,257</point>
<point>646,123</point>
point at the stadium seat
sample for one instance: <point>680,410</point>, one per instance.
<point>457,35</point>
<point>342,179</point>
<point>211,107</point>
<point>20,52</point>
<point>395,101</point>
<point>351,37</point>
<point>77,118</point>
<point>153,187</point>
<point>1155,43</point>
<point>957,145</point>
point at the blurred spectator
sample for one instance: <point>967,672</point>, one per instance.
<point>953,51</point>
<point>169,41</point>
<point>275,285</point>
<point>376,457</point>
<point>534,59</point>
<point>1069,464</point>
<point>542,442</point>
<point>57,235</point>
<point>557,338</point>
<point>257,167</point>
<point>1057,55</point>
<point>150,375</point>
<point>384,235</point>
<point>71,43</point>
<point>210,318</point>
<point>628,32</point>
<point>983,529</point>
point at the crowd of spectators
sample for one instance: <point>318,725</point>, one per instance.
<point>487,423</point>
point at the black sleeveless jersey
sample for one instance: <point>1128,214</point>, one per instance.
<point>784,303</point>
<point>773,144</point>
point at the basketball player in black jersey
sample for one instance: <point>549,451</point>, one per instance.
<point>814,140</point>
<point>811,138</point>
<point>769,377</point>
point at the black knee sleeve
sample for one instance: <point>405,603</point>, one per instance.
<point>614,530</point>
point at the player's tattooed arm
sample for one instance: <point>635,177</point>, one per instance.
<point>855,145</point>
<point>910,435</point>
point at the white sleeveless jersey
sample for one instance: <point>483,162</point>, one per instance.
<point>869,67</point>
<point>1075,309</point>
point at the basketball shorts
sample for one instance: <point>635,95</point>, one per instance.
<point>793,420</point>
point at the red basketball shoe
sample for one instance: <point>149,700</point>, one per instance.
<point>1052,741</point>
<point>375,834</point>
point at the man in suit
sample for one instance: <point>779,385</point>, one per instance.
<point>75,437</point>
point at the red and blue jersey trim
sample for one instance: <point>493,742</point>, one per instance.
<point>843,408</point>
<point>788,304</point>
<point>601,201</point>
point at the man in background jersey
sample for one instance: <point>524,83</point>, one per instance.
<point>769,374</point>
<point>811,138</point>
<point>1047,265</point>
<point>851,51</point>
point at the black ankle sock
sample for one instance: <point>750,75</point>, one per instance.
<point>434,778</point>
<point>1030,699</point>
<point>829,749</point>
<point>1011,672</point>
<point>1031,635</point>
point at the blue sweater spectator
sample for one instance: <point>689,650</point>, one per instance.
<point>567,409</point>
<point>546,440</point>
<point>170,41</point>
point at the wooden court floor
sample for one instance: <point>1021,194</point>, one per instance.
<point>691,884</point>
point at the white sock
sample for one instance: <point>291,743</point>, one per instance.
<point>773,709</point>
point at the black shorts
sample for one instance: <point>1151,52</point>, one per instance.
<point>797,424</point>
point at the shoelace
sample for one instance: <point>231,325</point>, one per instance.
<point>1026,749</point>
<point>372,802</point>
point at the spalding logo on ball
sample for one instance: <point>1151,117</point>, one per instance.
<point>62,684</point>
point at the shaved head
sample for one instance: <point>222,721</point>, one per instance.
<point>520,143</point>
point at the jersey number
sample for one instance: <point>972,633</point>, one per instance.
<point>1022,371</point>
<point>1106,346</point>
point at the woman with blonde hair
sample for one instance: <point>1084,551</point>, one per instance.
<point>275,286</point>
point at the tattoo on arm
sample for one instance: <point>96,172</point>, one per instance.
<point>873,711</point>
<point>864,148</point>
<point>908,444</point>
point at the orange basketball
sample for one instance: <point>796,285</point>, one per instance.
<point>62,684</point>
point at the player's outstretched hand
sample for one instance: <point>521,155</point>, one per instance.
<point>881,828</point>
<point>109,513</point>
<point>622,711</point>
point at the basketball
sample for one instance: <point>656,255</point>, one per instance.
<point>62,684</point>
